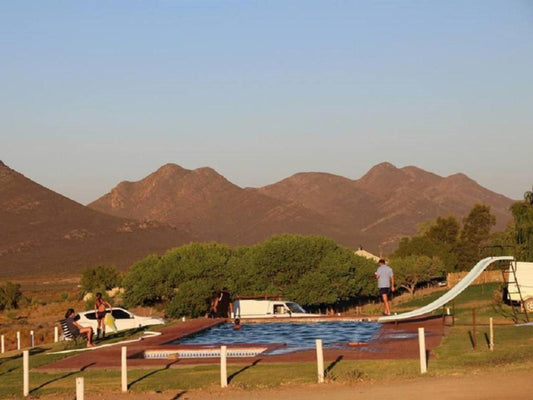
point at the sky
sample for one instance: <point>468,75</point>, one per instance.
<point>95,93</point>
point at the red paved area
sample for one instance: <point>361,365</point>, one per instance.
<point>394,341</point>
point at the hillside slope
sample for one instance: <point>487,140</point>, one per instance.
<point>42,232</point>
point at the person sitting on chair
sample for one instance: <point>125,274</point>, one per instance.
<point>76,329</point>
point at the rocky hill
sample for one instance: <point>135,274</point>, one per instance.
<point>374,211</point>
<point>207,204</point>
<point>387,203</point>
<point>44,233</point>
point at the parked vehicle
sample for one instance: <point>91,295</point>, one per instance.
<point>268,307</point>
<point>524,282</point>
<point>124,319</point>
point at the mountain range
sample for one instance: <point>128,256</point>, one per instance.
<point>44,231</point>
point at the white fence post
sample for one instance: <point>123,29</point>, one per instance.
<point>320,360</point>
<point>56,334</point>
<point>26,373</point>
<point>223,366</point>
<point>80,390</point>
<point>422,347</point>
<point>3,344</point>
<point>18,340</point>
<point>32,339</point>
<point>491,344</point>
<point>124,374</point>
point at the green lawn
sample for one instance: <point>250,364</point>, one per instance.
<point>513,349</point>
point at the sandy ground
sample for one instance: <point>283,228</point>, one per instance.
<point>516,386</point>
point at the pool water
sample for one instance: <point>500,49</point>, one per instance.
<point>296,336</point>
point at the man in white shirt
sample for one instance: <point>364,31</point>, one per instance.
<point>385,278</point>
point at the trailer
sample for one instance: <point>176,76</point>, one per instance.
<point>520,284</point>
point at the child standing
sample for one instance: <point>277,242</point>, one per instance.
<point>100,305</point>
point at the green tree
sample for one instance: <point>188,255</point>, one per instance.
<point>312,270</point>
<point>439,239</point>
<point>100,279</point>
<point>528,197</point>
<point>340,276</point>
<point>10,296</point>
<point>283,259</point>
<point>445,230</point>
<point>158,279</point>
<point>191,299</point>
<point>144,283</point>
<point>474,235</point>
<point>413,270</point>
<point>523,224</point>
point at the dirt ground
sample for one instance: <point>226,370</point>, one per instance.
<point>518,386</point>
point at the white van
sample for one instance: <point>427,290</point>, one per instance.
<point>524,279</point>
<point>268,308</point>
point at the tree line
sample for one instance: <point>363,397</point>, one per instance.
<point>311,270</point>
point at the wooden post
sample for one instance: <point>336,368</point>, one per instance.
<point>320,360</point>
<point>26,373</point>
<point>18,340</point>
<point>124,374</point>
<point>223,366</point>
<point>453,313</point>
<point>422,348</point>
<point>32,340</point>
<point>56,334</point>
<point>80,388</point>
<point>474,341</point>
<point>491,341</point>
<point>3,344</point>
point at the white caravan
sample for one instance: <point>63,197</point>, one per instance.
<point>268,308</point>
<point>524,282</point>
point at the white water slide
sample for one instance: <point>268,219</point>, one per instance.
<point>449,295</point>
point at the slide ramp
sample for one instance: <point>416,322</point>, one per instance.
<point>449,295</point>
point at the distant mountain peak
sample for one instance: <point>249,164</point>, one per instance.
<point>460,177</point>
<point>170,170</point>
<point>383,166</point>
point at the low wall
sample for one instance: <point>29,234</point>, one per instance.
<point>487,276</point>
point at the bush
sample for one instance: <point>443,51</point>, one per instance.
<point>99,279</point>
<point>311,270</point>
<point>10,296</point>
<point>191,299</point>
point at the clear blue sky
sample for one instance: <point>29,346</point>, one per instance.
<point>94,93</point>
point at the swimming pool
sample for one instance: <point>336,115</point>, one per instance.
<point>296,336</point>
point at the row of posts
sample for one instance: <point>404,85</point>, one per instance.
<point>79,381</point>
<point>223,363</point>
<point>223,367</point>
<point>32,340</point>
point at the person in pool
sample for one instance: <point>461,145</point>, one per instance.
<point>237,325</point>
